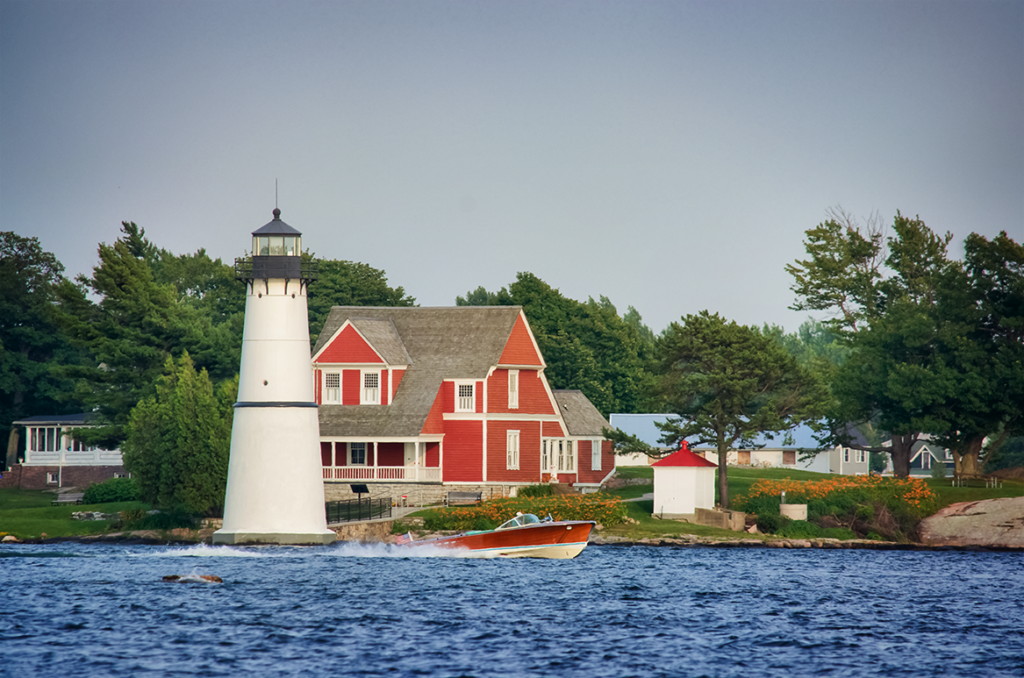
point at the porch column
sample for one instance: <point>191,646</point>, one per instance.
<point>416,457</point>
<point>375,460</point>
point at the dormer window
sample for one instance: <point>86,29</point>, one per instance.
<point>370,394</point>
<point>332,387</point>
<point>465,397</point>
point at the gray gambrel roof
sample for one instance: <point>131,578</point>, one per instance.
<point>458,342</point>
<point>579,414</point>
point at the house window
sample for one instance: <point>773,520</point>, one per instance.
<point>332,387</point>
<point>595,455</point>
<point>512,450</point>
<point>513,389</point>
<point>357,454</point>
<point>566,457</point>
<point>371,389</point>
<point>122,475</point>
<point>846,454</point>
<point>52,479</point>
<point>464,398</point>
<point>860,456</point>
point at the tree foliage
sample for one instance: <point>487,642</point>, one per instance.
<point>349,283</point>
<point>726,383</point>
<point>178,439</point>
<point>586,345</point>
<point>932,346</point>
<point>31,341</point>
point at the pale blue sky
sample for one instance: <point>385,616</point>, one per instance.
<point>668,155</point>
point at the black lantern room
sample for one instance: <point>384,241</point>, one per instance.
<point>276,254</point>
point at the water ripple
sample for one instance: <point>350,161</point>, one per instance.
<point>368,610</point>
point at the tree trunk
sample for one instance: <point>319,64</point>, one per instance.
<point>900,453</point>
<point>967,460</point>
<point>723,475</point>
<point>12,448</point>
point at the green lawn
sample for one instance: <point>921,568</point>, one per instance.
<point>740,480</point>
<point>27,514</point>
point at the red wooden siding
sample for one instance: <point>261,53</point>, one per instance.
<point>383,387</point>
<point>533,397</point>
<point>497,451</point>
<point>433,455</point>
<point>463,461</point>
<point>317,383</point>
<point>325,454</point>
<point>435,420</point>
<point>585,458</point>
<point>350,387</point>
<point>391,454</point>
<point>348,347</point>
<point>519,348</point>
<point>397,375</point>
<point>478,391</point>
<point>552,429</point>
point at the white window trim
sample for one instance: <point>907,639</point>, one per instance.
<point>512,439</point>
<point>513,389</point>
<point>348,451</point>
<point>458,398</point>
<point>595,454</point>
<point>327,389</point>
<point>369,396</point>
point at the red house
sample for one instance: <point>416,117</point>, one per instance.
<point>426,399</point>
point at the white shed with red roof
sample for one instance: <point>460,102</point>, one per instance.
<point>683,483</point>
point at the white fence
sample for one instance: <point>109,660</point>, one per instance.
<point>391,474</point>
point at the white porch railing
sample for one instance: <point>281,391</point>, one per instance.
<point>394,474</point>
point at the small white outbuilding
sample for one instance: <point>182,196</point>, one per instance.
<point>683,483</point>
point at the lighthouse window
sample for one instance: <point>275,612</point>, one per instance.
<point>276,245</point>
<point>332,387</point>
<point>371,388</point>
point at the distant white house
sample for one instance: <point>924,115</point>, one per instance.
<point>782,451</point>
<point>54,459</point>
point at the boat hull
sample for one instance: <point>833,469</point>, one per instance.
<point>561,541</point>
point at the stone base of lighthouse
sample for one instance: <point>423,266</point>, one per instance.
<point>275,492</point>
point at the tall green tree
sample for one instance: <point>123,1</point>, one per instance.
<point>178,439</point>
<point>726,383</point>
<point>31,341</point>
<point>981,345</point>
<point>349,283</point>
<point>586,345</point>
<point>128,334</point>
<point>920,361</point>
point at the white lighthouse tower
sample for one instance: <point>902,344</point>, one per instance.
<point>275,490</point>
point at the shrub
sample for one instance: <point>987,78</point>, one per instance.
<point>534,491</point>
<point>770,523</point>
<point>597,507</point>
<point>160,520</point>
<point>114,489</point>
<point>939,470</point>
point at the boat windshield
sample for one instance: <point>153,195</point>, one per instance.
<point>520,520</point>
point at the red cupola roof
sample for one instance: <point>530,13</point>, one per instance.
<point>684,458</point>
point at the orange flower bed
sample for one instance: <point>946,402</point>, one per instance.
<point>597,507</point>
<point>911,491</point>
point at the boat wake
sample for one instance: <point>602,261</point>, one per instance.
<point>336,550</point>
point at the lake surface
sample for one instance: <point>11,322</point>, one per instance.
<point>349,610</point>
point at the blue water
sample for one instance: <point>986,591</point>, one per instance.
<point>349,610</point>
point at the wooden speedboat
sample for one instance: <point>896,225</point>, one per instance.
<point>525,536</point>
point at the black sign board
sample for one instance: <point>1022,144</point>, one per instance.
<point>360,489</point>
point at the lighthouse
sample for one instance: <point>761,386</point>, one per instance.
<point>275,491</point>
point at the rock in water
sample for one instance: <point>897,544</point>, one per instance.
<point>990,522</point>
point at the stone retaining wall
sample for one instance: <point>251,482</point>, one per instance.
<point>415,494</point>
<point>34,477</point>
